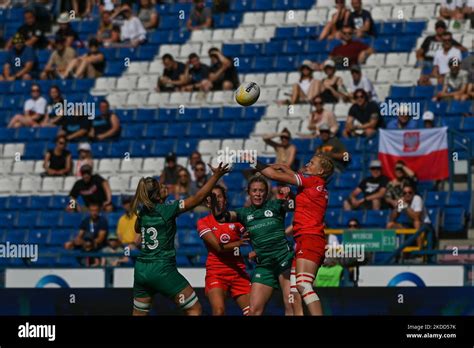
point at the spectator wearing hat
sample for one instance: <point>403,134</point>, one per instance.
<point>90,65</point>
<point>360,81</point>
<point>31,31</point>
<point>108,33</point>
<point>350,52</point>
<point>21,62</point>
<point>201,16</point>
<point>85,157</point>
<point>361,20</point>
<point>148,15</point>
<point>67,32</point>
<point>126,225</point>
<point>58,161</point>
<point>285,151</point>
<point>404,120</point>
<point>332,87</point>
<point>372,188</point>
<point>106,125</point>
<point>428,119</point>
<point>340,18</point>
<point>403,176</point>
<point>173,75</point>
<point>169,175</point>
<point>455,84</point>
<point>132,32</point>
<point>451,9</point>
<point>34,111</point>
<point>333,148</point>
<point>443,56</point>
<point>92,188</point>
<point>364,116</point>
<point>320,116</point>
<point>114,247</point>
<point>59,60</point>
<point>306,88</point>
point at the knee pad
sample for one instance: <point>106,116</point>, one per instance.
<point>293,287</point>
<point>304,282</point>
<point>189,301</point>
<point>141,306</point>
<point>245,310</point>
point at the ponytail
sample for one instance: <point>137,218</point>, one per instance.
<point>146,188</point>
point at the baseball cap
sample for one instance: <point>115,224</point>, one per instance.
<point>398,166</point>
<point>63,18</point>
<point>428,116</point>
<point>324,128</point>
<point>356,67</point>
<point>440,24</point>
<point>84,147</point>
<point>170,157</point>
<point>112,236</point>
<point>306,63</point>
<point>86,168</point>
<point>375,164</point>
<point>329,62</point>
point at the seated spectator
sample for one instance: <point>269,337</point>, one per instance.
<point>350,52</point>
<point>451,9</point>
<point>94,228</point>
<point>169,175</point>
<point>34,111</point>
<point>85,157</point>
<point>106,125</point>
<point>359,81</point>
<point>31,31</point>
<point>59,60</point>
<point>193,160</point>
<point>340,18</point>
<point>93,189</point>
<point>132,32</point>
<point>113,246</point>
<point>200,180</point>
<point>353,224</point>
<point>372,188</point>
<point>306,88</point>
<point>67,32</point>
<point>222,73</point>
<point>74,127</point>
<point>201,16</point>
<point>173,75</point>
<point>443,56</point>
<point>58,161</point>
<point>126,225</point>
<point>332,87</point>
<point>82,8</point>
<point>285,151</point>
<point>404,120</point>
<point>428,119</point>
<point>361,20</point>
<point>333,148</point>
<point>404,176</point>
<point>412,205</point>
<point>148,15</point>
<point>108,33</point>
<point>220,6</point>
<point>364,116</point>
<point>21,62</point>
<point>55,99</point>
<point>320,116</point>
<point>194,74</point>
<point>183,186</point>
<point>90,65</point>
<point>455,83</point>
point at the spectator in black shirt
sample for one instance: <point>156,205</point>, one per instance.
<point>66,31</point>
<point>195,74</point>
<point>90,65</point>
<point>361,20</point>
<point>58,161</point>
<point>372,188</point>
<point>92,189</point>
<point>222,75</point>
<point>106,125</point>
<point>32,32</point>
<point>333,148</point>
<point>55,98</point>
<point>364,116</point>
<point>169,175</point>
<point>173,75</point>
<point>74,127</point>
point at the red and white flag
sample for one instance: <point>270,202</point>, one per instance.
<point>425,151</point>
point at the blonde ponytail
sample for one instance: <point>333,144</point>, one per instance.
<point>141,197</point>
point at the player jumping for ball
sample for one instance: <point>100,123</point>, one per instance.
<point>308,222</point>
<point>225,267</point>
<point>155,269</point>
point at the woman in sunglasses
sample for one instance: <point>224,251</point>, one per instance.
<point>34,114</point>
<point>58,161</point>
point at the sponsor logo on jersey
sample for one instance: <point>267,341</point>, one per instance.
<point>249,217</point>
<point>225,238</point>
<point>300,252</point>
<point>268,213</point>
<point>214,228</point>
<point>258,275</point>
<point>232,226</point>
<point>284,264</point>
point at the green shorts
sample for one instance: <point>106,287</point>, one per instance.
<point>269,270</point>
<point>157,277</point>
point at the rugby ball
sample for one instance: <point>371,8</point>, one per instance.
<point>247,94</point>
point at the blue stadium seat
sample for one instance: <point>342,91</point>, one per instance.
<point>254,112</point>
<point>263,63</point>
<point>263,5</point>
<point>114,69</point>
<point>354,214</point>
<point>332,218</point>
<point>220,129</point>
<point>231,113</point>
<point>347,180</point>
<point>252,49</point>
<point>242,129</point>
<point>184,147</point>
<point>155,130</point>
<point>436,199</point>
<point>383,45</point>
<point>66,261</point>
<point>34,150</point>
<point>19,203</point>
<point>460,107</point>
<point>232,50</point>
<point>46,133</point>
<point>59,202</point>
<point>182,261</point>
<point>295,46</point>
<point>227,20</point>
<point>210,113</point>
<point>142,148</point>
<point>177,130</point>
<point>48,219</point>
<point>241,6</point>
<point>400,92</point>
<point>238,200</point>
<point>167,115</point>
<point>119,149</point>
<point>16,236</point>
<point>459,199</point>
<point>376,218</point>
<point>159,37</point>
<point>179,37</point>
<point>453,219</point>
<point>163,147</point>
<point>308,32</point>
<point>336,198</point>
<point>71,220</point>
<point>133,131</point>
<point>126,116</point>
<point>187,220</point>
<point>285,33</point>
<point>167,22</point>
<point>199,129</point>
<point>405,44</point>
<point>146,53</point>
<point>188,115</point>
<point>59,236</point>
<point>414,27</point>
<point>145,115</point>
<point>273,48</point>
<point>39,236</point>
<point>285,63</point>
<point>425,92</point>
<point>83,85</point>
<point>468,124</point>
<point>391,28</point>
<point>102,149</point>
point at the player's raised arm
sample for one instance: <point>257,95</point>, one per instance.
<point>277,172</point>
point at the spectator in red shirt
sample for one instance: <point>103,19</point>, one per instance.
<point>350,52</point>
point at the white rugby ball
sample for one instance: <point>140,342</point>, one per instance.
<point>247,94</point>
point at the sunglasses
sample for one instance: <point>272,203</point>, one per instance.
<point>353,225</point>
<point>375,168</point>
<point>61,143</point>
<point>183,176</point>
<point>407,192</point>
<point>318,103</point>
<point>35,90</point>
<point>359,96</point>
<point>347,32</point>
<point>199,169</point>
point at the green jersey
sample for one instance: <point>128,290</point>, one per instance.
<point>266,227</point>
<point>158,229</point>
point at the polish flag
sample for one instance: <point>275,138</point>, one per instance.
<point>425,151</point>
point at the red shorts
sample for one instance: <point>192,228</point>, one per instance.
<point>235,282</point>
<point>310,247</point>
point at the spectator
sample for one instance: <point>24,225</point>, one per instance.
<point>442,57</point>
<point>93,189</point>
<point>85,157</point>
<point>193,160</point>
<point>320,116</point>
<point>106,125</point>
<point>307,87</point>
<point>59,60</point>
<point>58,161</point>
<point>361,20</point>
<point>108,33</point>
<point>183,186</point>
<point>74,127</point>
<point>364,116</point>
<point>340,18</point>
<point>412,205</point>
<point>285,150</point>
<point>220,6</point>
<point>201,16</point>
<point>451,9</point>
<point>93,228</point>
<point>194,74</point>
<point>372,188</point>
<point>31,31</point>
<point>469,11</point>
<point>455,83</point>
<point>113,247</point>
<point>82,8</point>
<point>4,4</point>
<point>148,15</point>
<point>428,119</point>
<point>169,175</point>
<point>55,99</point>
<point>34,111</point>
<point>132,32</point>
<point>332,87</point>
<point>173,75</point>
<point>359,81</point>
<point>222,73</point>
<point>353,224</point>
<point>404,120</point>
<point>350,52</point>
<point>403,176</point>
<point>90,65</point>
<point>67,32</point>
<point>126,225</point>
<point>333,148</point>
<point>21,62</point>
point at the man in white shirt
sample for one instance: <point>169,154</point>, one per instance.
<point>442,57</point>
<point>451,9</point>
<point>359,81</point>
<point>35,114</point>
<point>132,31</point>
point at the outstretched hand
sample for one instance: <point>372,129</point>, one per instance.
<point>220,170</point>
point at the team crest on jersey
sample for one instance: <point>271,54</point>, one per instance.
<point>268,213</point>
<point>225,238</point>
<point>249,217</point>
<point>232,226</point>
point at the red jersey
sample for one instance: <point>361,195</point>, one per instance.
<point>225,233</point>
<point>310,205</point>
